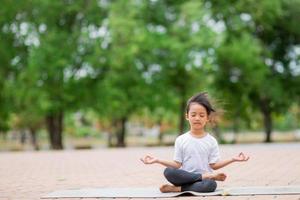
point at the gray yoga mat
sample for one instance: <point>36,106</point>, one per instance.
<point>155,193</point>
<point>262,190</point>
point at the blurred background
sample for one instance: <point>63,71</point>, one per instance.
<point>81,74</point>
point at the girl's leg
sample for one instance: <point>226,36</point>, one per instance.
<point>206,185</point>
<point>180,177</point>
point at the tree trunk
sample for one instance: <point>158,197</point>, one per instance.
<point>34,139</point>
<point>55,128</point>
<point>160,135</point>
<point>121,133</point>
<point>266,111</point>
<point>23,137</point>
<point>112,133</point>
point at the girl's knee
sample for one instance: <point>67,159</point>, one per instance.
<point>172,176</point>
<point>210,185</point>
<point>169,172</point>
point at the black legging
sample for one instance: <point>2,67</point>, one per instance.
<point>189,181</point>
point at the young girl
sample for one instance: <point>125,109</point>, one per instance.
<point>196,153</point>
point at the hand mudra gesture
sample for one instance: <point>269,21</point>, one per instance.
<point>149,159</point>
<point>241,157</point>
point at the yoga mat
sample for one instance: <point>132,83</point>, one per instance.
<point>262,190</point>
<point>155,193</point>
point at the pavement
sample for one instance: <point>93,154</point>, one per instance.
<point>30,175</point>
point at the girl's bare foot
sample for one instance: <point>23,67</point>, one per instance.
<point>214,176</point>
<point>169,188</point>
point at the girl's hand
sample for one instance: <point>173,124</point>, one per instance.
<point>241,157</point>
<point>149,160</point>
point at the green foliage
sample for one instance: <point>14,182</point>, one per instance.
<point>120,58</point>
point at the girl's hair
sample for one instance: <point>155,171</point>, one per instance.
<point>202,99</point>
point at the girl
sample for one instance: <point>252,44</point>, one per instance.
<point>196,153</point>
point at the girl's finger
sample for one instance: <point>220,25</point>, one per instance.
<point>147,157</point>
<point>242,154</point>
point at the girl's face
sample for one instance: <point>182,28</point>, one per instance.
<point>197,116</point>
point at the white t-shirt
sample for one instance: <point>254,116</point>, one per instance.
<point>196,154</point>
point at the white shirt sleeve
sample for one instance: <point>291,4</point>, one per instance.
<point>214,155</point>
<point>178,152</point>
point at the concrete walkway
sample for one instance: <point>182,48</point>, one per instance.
<point>29,175</point>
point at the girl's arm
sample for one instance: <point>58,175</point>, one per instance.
<point>151,160</point>
<point>240,158</point>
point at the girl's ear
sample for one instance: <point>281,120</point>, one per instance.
<point>186,116</point>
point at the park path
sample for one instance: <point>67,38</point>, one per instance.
<point>30,175</point>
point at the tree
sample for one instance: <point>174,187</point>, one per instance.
<point>56,66</point>
<point>179,51</point>
<point>270,37</point>
<point>13,54</point>
<point>122,90</point>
